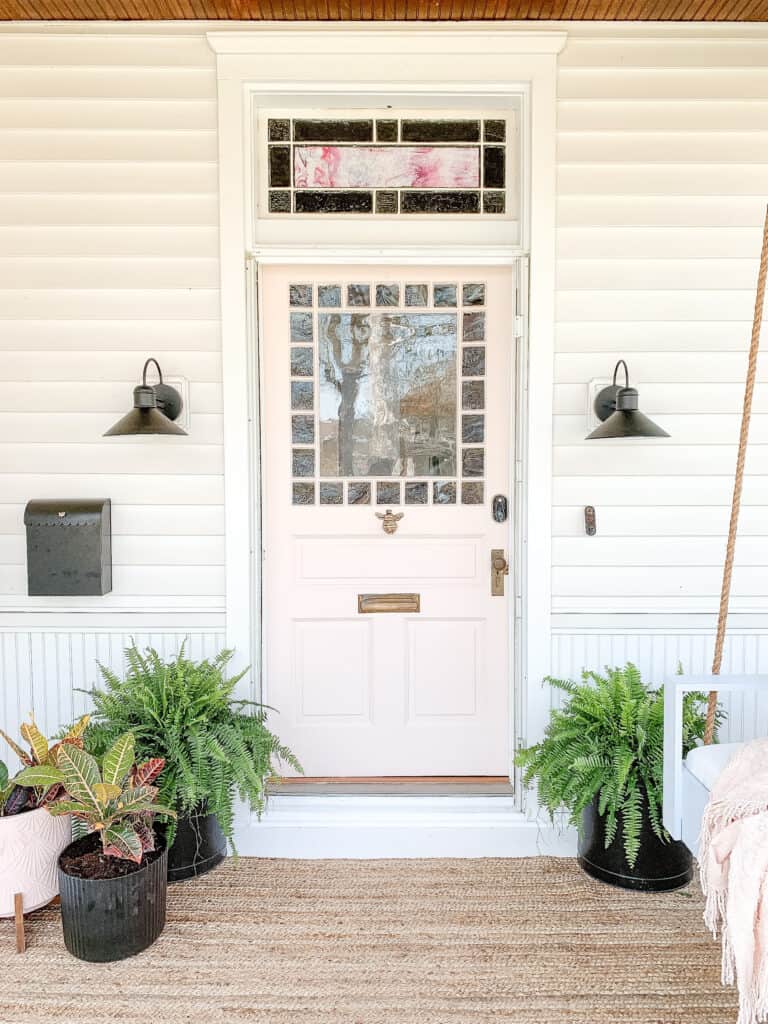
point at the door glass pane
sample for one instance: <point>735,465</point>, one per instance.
<point>387,394</point>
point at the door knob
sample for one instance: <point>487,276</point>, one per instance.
<point>499,569</point>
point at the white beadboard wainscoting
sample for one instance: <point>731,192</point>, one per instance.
<point>658,651</point>
<point>42,668</point>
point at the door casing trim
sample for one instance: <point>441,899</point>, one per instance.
<point>262,63</point>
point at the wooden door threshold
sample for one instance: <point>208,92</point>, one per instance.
<point>395,785</point>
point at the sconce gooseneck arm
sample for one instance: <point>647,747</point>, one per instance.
<point>615,373</point>
<point>159,371</point>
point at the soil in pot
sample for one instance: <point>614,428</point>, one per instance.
<point>93,864</point>
<point>198,846</point>
<point>660,867</point>
<point>111,918</point>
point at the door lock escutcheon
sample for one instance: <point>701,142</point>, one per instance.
<point>499,569</point>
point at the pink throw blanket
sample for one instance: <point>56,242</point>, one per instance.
<point>733,858</point>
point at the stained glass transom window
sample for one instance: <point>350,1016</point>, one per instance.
<point>389,166</point>
<point>387,393</point>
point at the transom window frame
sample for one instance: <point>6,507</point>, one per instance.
<point>477,230</point>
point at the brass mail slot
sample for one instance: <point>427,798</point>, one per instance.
<point>375,603</point>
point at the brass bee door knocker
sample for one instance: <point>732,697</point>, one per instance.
<point>389,520</point>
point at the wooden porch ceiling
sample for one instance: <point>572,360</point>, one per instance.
<point>386,10</point>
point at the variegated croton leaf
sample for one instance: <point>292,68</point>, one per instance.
<point>107,799</point>
<point>146,773</point>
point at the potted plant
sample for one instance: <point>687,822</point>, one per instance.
<point>30,838</point>
<point>215,747</point>
<point>113,880</point>
<point>602,759</point>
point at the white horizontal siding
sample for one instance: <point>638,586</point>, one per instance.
<point>109,254</point>
<point>662,186</point>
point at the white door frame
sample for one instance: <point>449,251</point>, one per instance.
<point>498,62</point>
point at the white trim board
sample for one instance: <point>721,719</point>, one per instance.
<point>367,827</point>
<point>495,62</point>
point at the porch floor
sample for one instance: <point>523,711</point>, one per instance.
<point>388,942</point>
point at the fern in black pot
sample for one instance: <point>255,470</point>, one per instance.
<point>216,747</point>
<point>602,759</point>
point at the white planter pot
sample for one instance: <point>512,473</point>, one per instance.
<point>30,844</point>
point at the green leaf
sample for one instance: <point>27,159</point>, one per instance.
<point>21,754</point>
<point>76,731</point>
<point>3,775</point>
<point>36,740</point>
<point>119,759</point>
<point>69,807</point>
<point>81,774</point>
<point>136,799</point>
<point>106,791</point>
<point>44,775</point>
<point>124,841</point>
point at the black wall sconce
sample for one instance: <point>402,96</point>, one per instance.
<point>155,407</point>
<point>617,408</point>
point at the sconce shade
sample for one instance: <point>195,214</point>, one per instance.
<point>617,407</point>
<point>155,407</point>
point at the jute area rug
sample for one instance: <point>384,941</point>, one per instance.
<point>387,942</point>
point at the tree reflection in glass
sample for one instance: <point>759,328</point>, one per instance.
<point>387,394</point>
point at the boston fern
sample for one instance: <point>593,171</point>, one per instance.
<point>606,743</point>
<point>215,747</point>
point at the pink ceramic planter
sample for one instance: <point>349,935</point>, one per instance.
<point>30,844</point>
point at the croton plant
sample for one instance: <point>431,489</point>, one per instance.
<point>16,795</point>
<point>117,800</point>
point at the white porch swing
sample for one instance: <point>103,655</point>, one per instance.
<point>688,782</point>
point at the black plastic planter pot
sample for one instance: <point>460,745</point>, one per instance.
<point>107,919</point>
<point>660,867</point>
<point>199,845</point>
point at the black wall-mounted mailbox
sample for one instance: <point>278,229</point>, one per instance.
<point>69,547</point>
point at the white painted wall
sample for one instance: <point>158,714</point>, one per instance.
<point>109,253</point>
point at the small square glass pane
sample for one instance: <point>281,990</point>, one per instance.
<point>359,493</point>
<point>328,295</point>
<point>472,493</point>
<point>303,429</point>
<point>472,462</point>
<point>279,202</point>
<point>303,494</point>
<point>474,294</point>
<point>302,394</point>
<point>300,294</point>
<point>302,362</point>
<point>474,327</point>
<point>444,294</point>
<point>387,294</point>
<point>417,494</point>
<point>279,130</point>
<point>358,295</point>
<point>444,494</point>
<point>331,493</point>
<point>472,361</point>
<point>387,493</point>
<point>473,428</point>
<point>416,295</point>
<point>303,462</point>
<point>301,327</point>
<point>472,394</point>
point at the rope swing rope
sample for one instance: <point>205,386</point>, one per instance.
<point>725,592</point>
